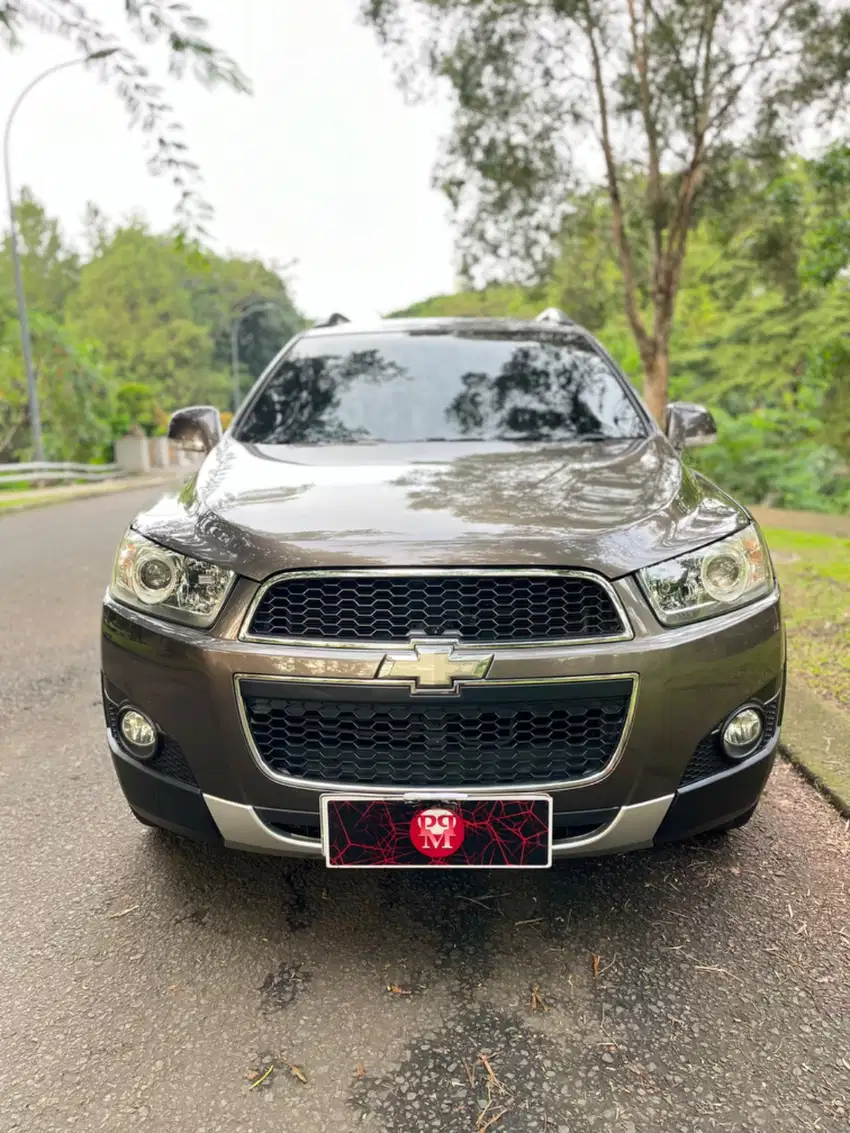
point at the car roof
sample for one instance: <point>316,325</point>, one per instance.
<point>445,325</point>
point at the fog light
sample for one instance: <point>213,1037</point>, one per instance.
<point>138,733</point>
<point>743,733</point>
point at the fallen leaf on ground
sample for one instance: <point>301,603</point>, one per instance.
<point>537,1000</point>
<point>395,989</point>
<point>595,960</point>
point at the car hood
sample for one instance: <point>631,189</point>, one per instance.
<point>609,506</point>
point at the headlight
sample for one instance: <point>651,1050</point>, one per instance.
<point>167,584</point>
<point>711,581</point>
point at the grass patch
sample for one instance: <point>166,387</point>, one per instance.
<point>814,571</point>
<point>16,503</point>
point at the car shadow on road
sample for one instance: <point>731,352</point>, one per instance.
<point>597,979</point>
<point>463,923</point>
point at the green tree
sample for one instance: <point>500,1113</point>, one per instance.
<point>659,89</point>
<point>132,299</point>
<point>219,287</point>
<point>163,314</point>
<point>762,329</point>
<point>49,266</point>
<point>126,332</point>
<point>173,26</point>
<point>76,392</point>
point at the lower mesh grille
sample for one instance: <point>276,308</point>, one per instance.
<point>708,758</point>
<point>450,743</point>
<point>169,759</point>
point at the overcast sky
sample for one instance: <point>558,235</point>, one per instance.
<point>325,164</point>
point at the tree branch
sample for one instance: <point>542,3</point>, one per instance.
<point>750,65</point>
<point>621,239</point>
<point>655,187</point>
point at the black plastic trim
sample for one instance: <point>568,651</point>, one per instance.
<point>163,801</point>
<point>712,802</point>
<point>559,818</point>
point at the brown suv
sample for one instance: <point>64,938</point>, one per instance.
<point>443,595</point>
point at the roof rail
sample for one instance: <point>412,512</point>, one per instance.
<point>333,320</point>
<point>554,315</point>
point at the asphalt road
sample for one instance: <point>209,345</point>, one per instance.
<point>142,980</point>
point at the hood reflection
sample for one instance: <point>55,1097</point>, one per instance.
<point>610,506</point>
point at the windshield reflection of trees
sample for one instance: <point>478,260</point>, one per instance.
<point>544,392</point>
<point>541,391</point>
<point>301,403</point>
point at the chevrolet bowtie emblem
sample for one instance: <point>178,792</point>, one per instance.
<point>434,666</point>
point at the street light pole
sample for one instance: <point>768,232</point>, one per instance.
<point>235,327</point>
<point>32,394</point>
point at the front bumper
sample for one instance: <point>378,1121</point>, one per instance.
<point>186,811</point>
<point>688,681</point>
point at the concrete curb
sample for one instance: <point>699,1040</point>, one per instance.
<point>13,502</point>
<point>816,740</point>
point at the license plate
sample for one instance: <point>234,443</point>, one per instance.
<point>437,831</point>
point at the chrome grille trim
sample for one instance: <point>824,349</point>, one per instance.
<point>478,789</point>
<point>627,633</point>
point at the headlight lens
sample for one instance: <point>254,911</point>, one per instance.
<point>711,581</point>
<point>168,584</point>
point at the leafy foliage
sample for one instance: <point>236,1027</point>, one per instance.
<point>762,330</point>
<point>659,92</point>
<point>127,333</point>
<point>169,24</point>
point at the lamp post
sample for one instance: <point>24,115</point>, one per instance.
<point>32,395</point>
<point>235,327</point>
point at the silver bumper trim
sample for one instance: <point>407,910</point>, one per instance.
<point>242,829</point>
<point>634,828</point>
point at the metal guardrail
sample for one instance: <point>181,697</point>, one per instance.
<point>48,470</point>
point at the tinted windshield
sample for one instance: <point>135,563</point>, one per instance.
<point>398,387</point>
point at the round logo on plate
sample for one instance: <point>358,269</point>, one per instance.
<point>436,832</point>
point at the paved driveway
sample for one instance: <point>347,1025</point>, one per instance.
<point>142,981</point>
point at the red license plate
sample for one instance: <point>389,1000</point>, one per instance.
<point>449,833</point>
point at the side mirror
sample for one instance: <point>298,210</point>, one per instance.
<point>196,429</point>
<point>689,426</point>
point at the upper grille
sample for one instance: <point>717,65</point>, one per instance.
<point>708,758</point>
<point>407,744</point>
<point>488,607</point>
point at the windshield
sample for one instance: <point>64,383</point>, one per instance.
<point>403,387</point>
